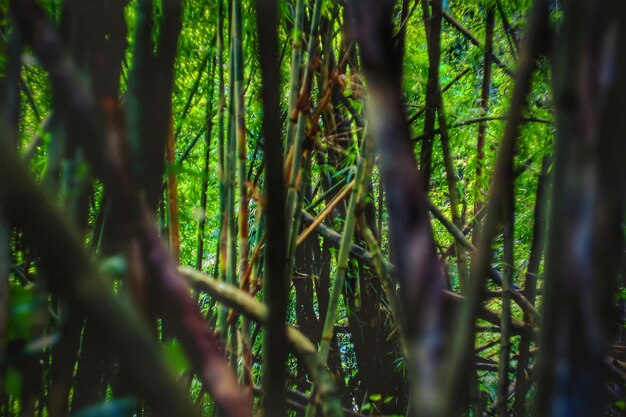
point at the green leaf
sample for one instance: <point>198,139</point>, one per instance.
<point>376,397</point>
<point>175,356</point>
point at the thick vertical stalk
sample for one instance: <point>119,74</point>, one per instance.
<point>205,171</point>
<point>240,135</point>
<point>295,152</point>
<point>508,215</point>
<point>417,267</point>
<point>222,143</point>
<point>231,171</point>
<point>172,193</point>
<point>522,385</point>
<point>150,99</point>
<point>294,73</point>
<point>482,129</point>
<point>101,60</point>
<point>241,146</point>
<point>401,35</point>
<point>432,24</point>
<point>482,126</point>
<point>453,190</point>
<point>461,253</point>
<point>586,239</point>
<point>275,287</point>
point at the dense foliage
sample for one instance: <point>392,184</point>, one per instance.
<point>311,207</point>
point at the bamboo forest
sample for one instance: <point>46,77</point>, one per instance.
<point>312,208</point>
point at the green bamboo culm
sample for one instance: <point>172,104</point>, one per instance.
<point>296,151</point>
<point>508,209</point>
<point>241,147</point>
<point>362,172</point>
<point>231,164</point>
<point>223,310</point>
<point>240,133</point>
<point>361,176</point>
<point>205,177</point>
<point>294,74</point>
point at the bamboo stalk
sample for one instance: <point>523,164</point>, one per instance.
<point>222,314</point>
<point>275,279</point>
<point>205,179</point>
<point>172,194</point>
<point>432,25</point>
<point>241,149</point>
<point>482,126</point>
<point>453,191</point>
<point>530,287</point>
<point>362,173</point>
<point>586,241</point>
<point>296,148</point>
<point>294,73</point>
<point>228,332</point>
<point>84,289</point>
<point>298,343</point>
<point>508,209</point>
<point>463,338</point>
<point>231,162</point>
<point>461,256</point>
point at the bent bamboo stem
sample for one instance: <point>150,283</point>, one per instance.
<point>253,309</point>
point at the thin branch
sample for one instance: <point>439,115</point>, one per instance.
<point>465,32</point>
